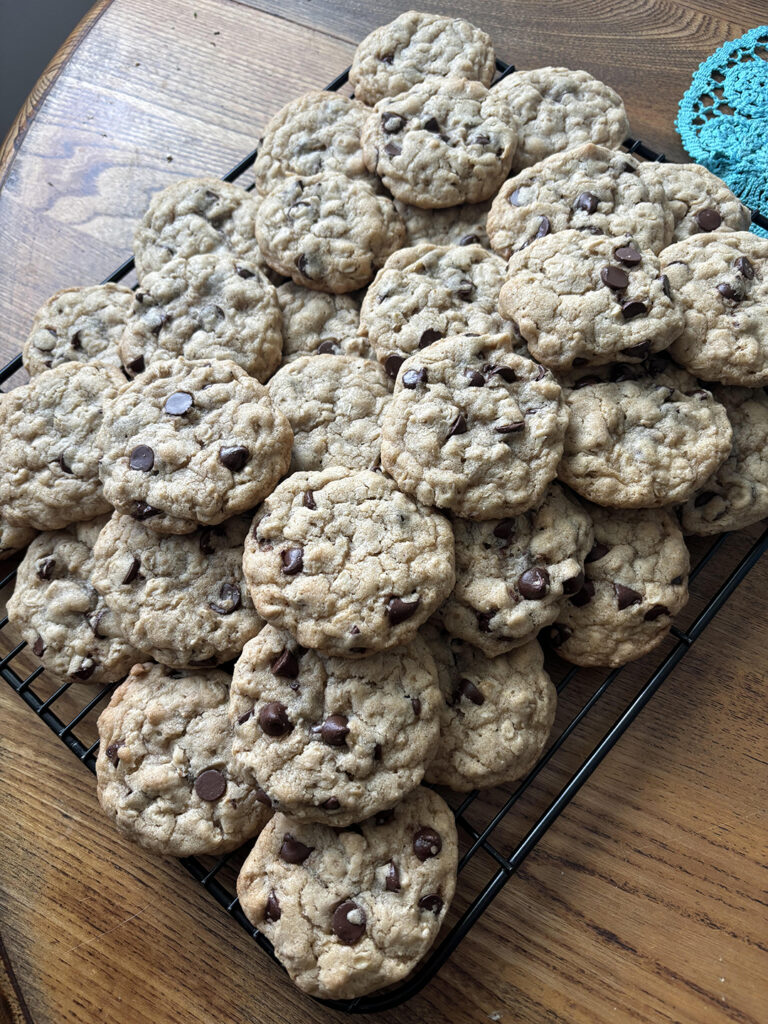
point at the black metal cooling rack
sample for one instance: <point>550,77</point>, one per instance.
<point>477,839</point>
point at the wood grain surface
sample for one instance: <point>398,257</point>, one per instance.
<point>646,902</point>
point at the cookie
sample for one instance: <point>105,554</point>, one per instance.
<point>13,538</point>
<point>721,281</point>
<point>642,440</point>
<point>164,772</point>
<point>181,599</point>
<point>560,108</point>
<point>497,713</point>
<point>453,225</point>
<point>427,293</point>
<point>512,574</point>
<point>78,325</point>
<point>350,911</point>
<point>205,307</point>
<point>446,141</point>
<point>191,442</point>
<point>49,458</point>
<point>698,199</point>
<point>401,54</point>
<point>589,188</point>
<point>327,232</point>
<point>316,322</point>
<point>346,563</point>
<point>56,609</point>
<point>314,134</point>
<point>636,582</point>
<point>335,406</point>
<point>474,428</point>
<point>736,495</point>
<point>334,740</point>
<point>195,217</point>
<point>588,299</point>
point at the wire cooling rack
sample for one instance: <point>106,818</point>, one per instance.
<point>483,819</point>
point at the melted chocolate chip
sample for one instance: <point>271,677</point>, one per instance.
<point>399,610</point>
<point>412,378</point>
<point>273,719</point>
<point>38,647</point>
<point>474,378</point>
<point>459,426</point>
<point>514,197</point>
<point>234,457</point>
<point>292,851</point>
<point>626,596</point>
<point>247,716</point>
<point>327,348</point>
<point>597,552</point>
<point>228,601</point>
<point>272,910</point>
<point>429,336</point>
<point>432,125</point>
<point>244,272</point>
<point>392,123</point>
<point>349,922</point>
<point>433,903</point>
<point>392,365</point>
<point>614,277</point>
<point>533,584</point>
<point>655,613</point>
<point>293,560</point>
<point>142,511</point>
<point>262,797</point>
<point>302,265</point>
<point>585,595</point>
<point>574,584</point>
<point>708,219</point>
<point>392,149</point>
<point>558,633</point>
<point>426,843</point>
<point>133,571</point>
<point>505,372</point>
<point>587,201</point>
<point>628,255</point>
<point>308,500</point>
<point>334,730</point>
<point>469,691</point>
<point>64,467</point>
<point>633,308</point>
<point>210,785</point>
<point>111,752</point>
<point>179,403</point>
<point>510,428</point>
<point>392,881</point>
<point>45,568</point>
<point>665,285</point>
<point>744,267</point>
<point>729,292</point>
<point>136,365</point>
<point>85,672</point>
<point>469,240</point>
<point>285,665</point>
<point>142,458</point>
<point>504,529</point>
<point>464,290</point>
<point>543,228</point>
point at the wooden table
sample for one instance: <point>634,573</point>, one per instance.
<point>646,901</point>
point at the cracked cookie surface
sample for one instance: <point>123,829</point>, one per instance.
<point>698,199</point>
<point>318,322</point>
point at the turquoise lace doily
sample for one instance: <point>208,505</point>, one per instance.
<point>723,118</point>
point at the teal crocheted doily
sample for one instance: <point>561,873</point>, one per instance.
<point>723,118</point>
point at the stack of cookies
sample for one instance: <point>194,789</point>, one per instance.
<point>361,438</point>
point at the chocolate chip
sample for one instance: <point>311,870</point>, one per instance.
<point>585,595</point>
<point>93,620</point>
<point>655,613</point>
<point>426,843</point>
<point>244,272</point>
<point>302,265</point>
<point>247,716</point>
<point>392,149</point>
<point>262,797</point>
<point>392,365</point>
<point>308,500</point>
<point>468,690</point>
<point>729,292</point>
<point>355,631</point>
<point>384,817</point>
<point>142,458</point>
<point>533,584</point>
<point>272,910</point>
<point>614,277</point>
<point>484,621</point>
<point>387,58</point>
<point>665,285</point>
<point>45,568</point>
<point>85,672</point>
<point>64,467</point>
<point>399,611</point>
<point>474,378</point>
<point>331,804</point>
<point>628,255</point>
<point>464,290</point>
<point>416,705</point>
<point>234,457</point>
<point>412,378</point>
<point>392,881</point>
<point>543,228</point>
<point>38,647</point>
<point>334,730</point>
<point>327,348</point>
<point>504,529</point>
<point>574,584</point>
<point>510,428</point>
<point>156,319</point>
<point>626,596</point>
<point>428,336</point>
<point>743,266</point>
<point>111,752</point>
<point>136,365</point>
<point>481,140</point>
<point>228,601</point>
<point>433,903</point>
<point>459,426</point>
<point>293,560</point>
<point>292,851</point>
<point>75,341</point>
<point>505,372</point>
<point>285,665</point>
<point>377,752</point>
<point>623,371</point>
<point>637,351</point>
<point>586,201</point>
<point>392,123</point>
<point>514,197</point>
<point>179,403</point>
<point>349,922</point>
<point>597,552</point>
<point>133,571</point>
<point>469,240</point>
<point>273,719</point>
<point>558,633</point>
<point>633,308</point>
<point>628,168</point>
<point>708,219</point>
<point>210,785</point>
<point>432,125</point>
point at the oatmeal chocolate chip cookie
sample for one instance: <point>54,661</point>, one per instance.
<point>330,739</point>
<point>453,225</point>
<point>346,563</point>
<point>581,299</point>
<point>427,293</point>
<point>164,772</point>
<point>698,199</point>
<point>317,322</point>
<point>314,134</point>
<point>49,458</point>
<point>446,141</point>
<point>636,582</point>
<point>205,307</point>
<point>195,217</point>
<point>327,232</point>
<point>349,911</point>
<point>736,495</point>
<point>181,599</point>
<point>474,427</point>
<point>643,439</point>
<point>590,188</point>
<point>191,442</point>
<point>57,610</point>
<point>78,325</point>
<point>335,405</point>
<point>497,713</point>
<point>512,574</point>
<point>560,108</point>
<point>13,538</point>
<point>721,281</point>
<point>415,46</point>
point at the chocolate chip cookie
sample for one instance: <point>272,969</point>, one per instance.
<point>497,713</point>
<point>78,325</point>
<point>190,443</point>
<point>722,284</point>
<point>453,225</point>
<point>589,188</point>
<point>446,141</point>
<point>636,582</point>
<point>512,574</point>
<point>581,299</point>
<point>698,199</point>
<point>181,599</point>
<point>349,911</point>
<point>736,495</point>
<point>57,610</point>
<point>474,428</point>
<point>49,458</point>
<point>335,405</point>
<point>164,772</point>
<point>330,739</point>
<point>205,307</point>
<point>346,563</point>
<point>317,322</point>
<point>415,46</point>
<point>427,293</point>
<point>13,538</point>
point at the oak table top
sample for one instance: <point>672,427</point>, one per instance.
<point>646,900</point>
